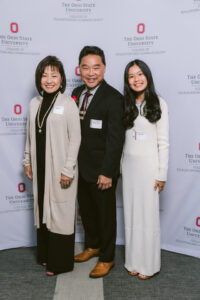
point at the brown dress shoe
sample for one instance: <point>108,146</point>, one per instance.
<point>86,254</point>
<point>101,269</point>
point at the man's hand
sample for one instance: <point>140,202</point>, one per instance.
<point>28,172</point>
<point>104,182</point>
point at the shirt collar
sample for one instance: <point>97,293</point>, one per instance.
<point>92,91</point>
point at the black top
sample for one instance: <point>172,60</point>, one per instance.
<point>41,147</point>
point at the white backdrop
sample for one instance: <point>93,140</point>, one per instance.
<point>165,34</point>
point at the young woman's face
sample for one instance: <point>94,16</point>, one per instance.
<point>51,79</point>
<point>136,79</point>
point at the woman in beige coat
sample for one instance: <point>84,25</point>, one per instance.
<point>52,144</point>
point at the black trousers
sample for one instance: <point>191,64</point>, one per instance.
<point>56,250</point>
<point>98,213</point>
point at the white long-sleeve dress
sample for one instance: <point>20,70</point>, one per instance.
<point>144,160</point>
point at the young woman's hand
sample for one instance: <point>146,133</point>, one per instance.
<point>160,185</point>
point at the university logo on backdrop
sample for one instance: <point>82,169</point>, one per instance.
<point>79,10</point>
<point>198,221</point>
<point>190,84</point>
<point>141,28</point>
<point>19,199</point>
<point>190,161</point>
<point>143,41</point>
<point>17,109</point>
<point>13,122</point>
<point>14,28</point>
<point>190,234</point>
<point>74,80</point>
<point>77,71</point>
<point>14,40</point>
<point>190,6</point>
<point>21,187</point>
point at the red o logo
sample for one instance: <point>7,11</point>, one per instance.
<point>141,28</point>
<point>17,109</point>
<point>21,187</point>
<point>77,71</point>
<point>198,221</point>
<point>14,27</point>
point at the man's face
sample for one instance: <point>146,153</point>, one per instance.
<point>92,70</point>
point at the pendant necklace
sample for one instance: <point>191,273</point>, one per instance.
<point>38,115</point>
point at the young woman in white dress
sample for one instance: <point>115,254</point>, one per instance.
<point>144,169</point>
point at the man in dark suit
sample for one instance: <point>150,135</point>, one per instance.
<point>101,111</point>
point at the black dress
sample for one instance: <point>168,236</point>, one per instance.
<point>56,250</point>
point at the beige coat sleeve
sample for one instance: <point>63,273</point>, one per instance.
<point>74,135</point>
<point>163,141</point>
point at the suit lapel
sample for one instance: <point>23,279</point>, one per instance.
<point>80,91</point>
<point>77,93</point>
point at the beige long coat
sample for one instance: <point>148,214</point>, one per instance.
<point>63,138</point>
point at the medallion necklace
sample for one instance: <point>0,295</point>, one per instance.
<point>38,115</point>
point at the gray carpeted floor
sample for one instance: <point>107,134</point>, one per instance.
<point>21,278</point>
<point>179,279</point>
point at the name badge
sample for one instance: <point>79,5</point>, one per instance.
<point>59,110</point>
<point>96,124</point>
<point>139,135</point>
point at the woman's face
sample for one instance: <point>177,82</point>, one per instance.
<point>51,79</point>
<point>136,79</point>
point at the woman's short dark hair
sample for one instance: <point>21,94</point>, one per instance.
<point>152,110</point>
<point>54,62</point>
<point>92,50</point>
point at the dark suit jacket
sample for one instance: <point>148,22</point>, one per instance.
<point>101,148</point>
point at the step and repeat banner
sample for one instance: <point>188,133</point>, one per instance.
<point>165,34</point>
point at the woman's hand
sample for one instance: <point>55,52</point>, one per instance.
<point>65,181</point>
<point>28,172</point>
<point>160,185</point>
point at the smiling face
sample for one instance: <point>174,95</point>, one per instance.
<point>51,79</point>
<point>137,80</point>
<point>92,70</point>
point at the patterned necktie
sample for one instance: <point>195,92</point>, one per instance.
<point>84,105</point>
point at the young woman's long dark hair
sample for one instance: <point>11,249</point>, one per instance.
<point>152,111</point>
